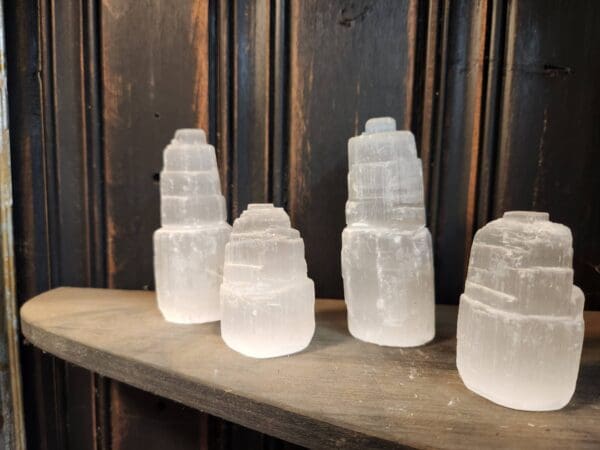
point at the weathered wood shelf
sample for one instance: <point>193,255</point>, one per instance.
<point>338,393</point>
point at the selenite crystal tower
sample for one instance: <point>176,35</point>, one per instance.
<point>267,300</point>
<point>190,245</point>
<point>387,262</point>
<point>520,321</point>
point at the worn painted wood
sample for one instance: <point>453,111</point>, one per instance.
<point>548,156</point>
<point>429,110</point>
<point>36,213</point>
<point>493,66</point>
<point>173,425</point>
<point>250,103</point>
<point>279,103</point>
<point>12,431</point>
<point>338,392</point>
<point>71,116</point>
<point>155,80</point>
<point>222,120</point>
<point>251,128</point>
<point>330,102</point>
<point>457,151</point>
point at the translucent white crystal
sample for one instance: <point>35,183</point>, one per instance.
<point>190,246</point>
<point>267,300</point>
<point>387,262</point>
<point>520,321</point>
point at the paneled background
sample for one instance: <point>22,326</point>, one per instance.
<point>503,97</point>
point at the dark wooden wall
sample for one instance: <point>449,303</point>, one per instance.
<point>502,96</point>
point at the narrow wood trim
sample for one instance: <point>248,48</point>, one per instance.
<point>279,102</point>
<point>492,110</point>
<point>224,29</point>
<point>12,429</point>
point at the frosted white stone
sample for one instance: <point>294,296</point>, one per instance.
<point>520,321</point>
<point>387,261</point>
<point>190,246</point>
<point>267,300</point>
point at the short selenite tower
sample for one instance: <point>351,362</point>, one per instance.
<point>520,321</point>
<point>267,300</point>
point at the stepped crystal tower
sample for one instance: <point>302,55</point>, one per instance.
<point>190,245</point>
<point>267,300</point>
<point>387,262</point>
<point>520,321</point>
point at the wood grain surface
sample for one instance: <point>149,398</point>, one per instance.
<point>548,156</point>
<point>339,392</point>
<point>55,181</point>
<point>453,200</point>
<point>155,80</point>
<point>12,423</point>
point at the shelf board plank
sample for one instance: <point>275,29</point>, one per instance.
<point>339,392</point>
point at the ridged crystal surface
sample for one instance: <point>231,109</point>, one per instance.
<point>190,246</point>
<point>520,322</point>
<point>387,262</point>
<point>267,300</point>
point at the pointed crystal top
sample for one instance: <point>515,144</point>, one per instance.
<point>260,205</point>
<point>190,136</point>
<point>260,217</point>
<point>380,125</point>
<point>527,216</point>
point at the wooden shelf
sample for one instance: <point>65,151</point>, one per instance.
<point>340,392</point>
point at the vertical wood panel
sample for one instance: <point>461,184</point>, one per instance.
<point>251,91</point>
<point>140,420</point>
<point>155,76</point>
<point>224,82</point>
<point>155,79</point>
<point>432,106</point>
<point>428,99</point>
<point>30,52</point>
<point>458,152</point>
<point>549,138</point>
<point>279,102</point>
<point>12,430</point>
<point>349,61</point>
<point>73,201</point>
<point>490,116</point>
<point>251,102</point>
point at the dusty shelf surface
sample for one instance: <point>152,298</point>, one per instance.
<point>339,392</point>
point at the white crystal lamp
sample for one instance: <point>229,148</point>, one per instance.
<point>520,321</point>
<point>267,300</point>
<point>387,262</point>
<point>190,245</point>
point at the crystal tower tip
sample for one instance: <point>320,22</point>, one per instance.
<point>380,125</point>
<point>190,136</point>
<point>260,206</point>
<point>527,216</point>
